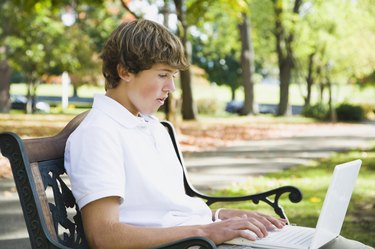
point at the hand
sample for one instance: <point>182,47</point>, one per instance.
<point>262,222</point>
<point>268,221</point>
<point>230,228</point>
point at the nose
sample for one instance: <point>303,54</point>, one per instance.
<point>169,86</point>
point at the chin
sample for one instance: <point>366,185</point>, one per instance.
<point>152,112</point>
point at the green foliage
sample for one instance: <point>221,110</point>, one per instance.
<point>349,112</point>
<point>215,39</point>
<point>318,111</point>
<point>37,43</point>
<point>367,80</point>
<point>223,71</point>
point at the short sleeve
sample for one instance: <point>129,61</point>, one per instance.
<point>94,163</point>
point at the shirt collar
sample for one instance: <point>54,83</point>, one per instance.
<point>119,113</point>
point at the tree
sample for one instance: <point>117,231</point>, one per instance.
<point>331,33</point>
<point>4,86</point>
<point>188,112</point>
<point>35,43</point>
<point>32,49</point>
<point>222,51</point>
<point>216,49</point>
<point>87,36</point>
<point>247,64</point>
<point>284,48</point>
<point>9,25</point>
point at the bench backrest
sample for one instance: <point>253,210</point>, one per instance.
<point>52,217</point>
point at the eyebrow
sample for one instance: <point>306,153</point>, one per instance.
<point>168,70</point>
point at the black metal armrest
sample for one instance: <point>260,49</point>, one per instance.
<point>294,195</point>
<point>204,243</point>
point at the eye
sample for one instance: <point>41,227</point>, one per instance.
<point>163,75</point>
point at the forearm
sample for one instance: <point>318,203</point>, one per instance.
<point>119,235</point>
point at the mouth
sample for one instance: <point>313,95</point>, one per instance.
<point>162,100</point>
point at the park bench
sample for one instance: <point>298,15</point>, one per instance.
<point>52,217</point>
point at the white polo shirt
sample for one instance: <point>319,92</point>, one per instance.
<point>114,153</point>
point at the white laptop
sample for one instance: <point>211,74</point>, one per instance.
<point>330,219</point>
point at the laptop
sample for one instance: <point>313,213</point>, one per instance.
<point>330,219</point>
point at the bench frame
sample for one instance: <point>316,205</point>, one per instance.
<point>55,222</point>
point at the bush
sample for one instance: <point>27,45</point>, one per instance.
<point>208,106</point>
<point>349,112</point>
<point>317,111</point>
<point>369,111</point>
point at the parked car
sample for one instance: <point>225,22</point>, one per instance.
<point>235,106</point>
<point>18,102</point>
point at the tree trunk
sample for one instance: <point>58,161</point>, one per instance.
<point>285,76</point>
<point>75,90</point>
<point>4,87</point>
<point>321,92</point>
<point>29,103</point>
<point>332,113</point>
<point>187,94</point>
<point>309,79</point>
<point>233,93</point>
<point>285,54</point>
<point>247,64</point>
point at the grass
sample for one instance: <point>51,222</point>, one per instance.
<point>313,181</point>
<point>264,93</point>
<point>56,90</point>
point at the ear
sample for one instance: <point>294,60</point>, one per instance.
<point>123,73</point>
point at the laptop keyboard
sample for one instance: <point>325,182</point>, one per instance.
<point>290,235</point>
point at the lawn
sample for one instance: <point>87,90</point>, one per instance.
<point>313,181</point>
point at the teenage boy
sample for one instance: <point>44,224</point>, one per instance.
<point>124,172</point>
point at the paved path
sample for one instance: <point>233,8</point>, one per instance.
<point>217,168</point>
<point>223,166</point>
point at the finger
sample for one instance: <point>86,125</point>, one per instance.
<point>278,223</point>
<point>247,234</point>
<point>245,223</point>
<point>264,219</point>
<point>273,222</point>
<point>261,229</point>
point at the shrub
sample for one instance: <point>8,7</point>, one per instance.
<point>317,111</point>
<point>349,112</point>
<point>369,111</point>
<point>208,106</point>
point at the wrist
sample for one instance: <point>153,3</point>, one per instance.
<point>201,231</point>
<point>217,214</point>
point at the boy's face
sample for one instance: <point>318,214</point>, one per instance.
<point>147,90</point>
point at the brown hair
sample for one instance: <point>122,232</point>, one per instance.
<point>137,46</point>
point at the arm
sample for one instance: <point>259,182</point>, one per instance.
<point>103,229</point>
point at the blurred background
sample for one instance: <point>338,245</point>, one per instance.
<point>280,57</point>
